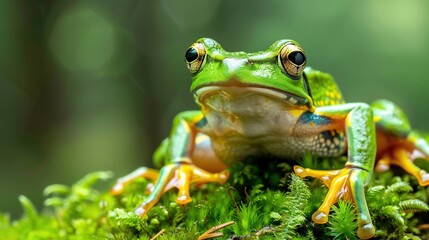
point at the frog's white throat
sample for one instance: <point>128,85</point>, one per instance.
<point>247,112</point>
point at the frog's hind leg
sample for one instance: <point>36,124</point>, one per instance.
<point>397,143</point>
<point>403,153</point>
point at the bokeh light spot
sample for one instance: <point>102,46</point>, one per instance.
<point>82,39</point>
<point>400,21</point>
<point>189,13</point>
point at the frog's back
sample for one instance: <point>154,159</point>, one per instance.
<point>326,91</point>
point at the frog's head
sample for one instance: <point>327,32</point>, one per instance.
<point>277,73</point>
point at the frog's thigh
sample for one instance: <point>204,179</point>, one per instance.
<point>203,155</point>
<point>390,118</point>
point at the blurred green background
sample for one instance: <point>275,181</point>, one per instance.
<point>94,85</point>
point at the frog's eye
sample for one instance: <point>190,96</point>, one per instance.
<point>194,57</point>
<point>292,59</point>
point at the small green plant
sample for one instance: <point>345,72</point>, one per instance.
<point>292,213</point>
<point>343,223</point>
<point>393,209</point>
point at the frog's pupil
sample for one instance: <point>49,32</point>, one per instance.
<point>191,54</point>
<point>296,57</point>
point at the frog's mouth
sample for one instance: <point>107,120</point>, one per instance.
<point>289,99</point>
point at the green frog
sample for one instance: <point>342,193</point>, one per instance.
<point>269,103</point>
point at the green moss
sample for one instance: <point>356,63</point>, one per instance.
<point>343,224</point>
<point>266,202</point>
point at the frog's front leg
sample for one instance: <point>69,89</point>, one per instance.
<point>179,170</point>
<point>349,182</point>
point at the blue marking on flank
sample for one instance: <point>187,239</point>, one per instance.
<point>202,123</point>
<point>308,117</point>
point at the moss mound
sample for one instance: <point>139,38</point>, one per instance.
<point>266,202</point>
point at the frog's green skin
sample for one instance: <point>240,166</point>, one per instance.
<point>265,103</point>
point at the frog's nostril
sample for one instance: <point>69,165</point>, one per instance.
<point>249,62</point>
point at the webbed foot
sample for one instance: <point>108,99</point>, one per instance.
<point>403,158</point>
<point>178,175</point>
<point>348,184</point>
<point>141,172</point>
